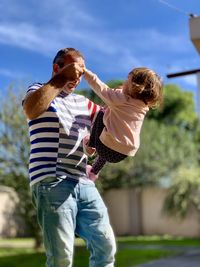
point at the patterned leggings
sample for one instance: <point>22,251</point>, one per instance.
<point>104,153</point>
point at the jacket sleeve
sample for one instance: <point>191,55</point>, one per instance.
<point>108,95</point>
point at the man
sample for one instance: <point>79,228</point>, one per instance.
<point>67,202</point>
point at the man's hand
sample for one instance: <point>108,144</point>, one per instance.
<point>70,72</point>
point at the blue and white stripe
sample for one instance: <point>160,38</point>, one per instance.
<point>56,137</point>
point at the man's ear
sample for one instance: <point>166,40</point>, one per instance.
<point>55,68</point>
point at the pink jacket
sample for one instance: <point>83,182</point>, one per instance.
<point>123,117</point>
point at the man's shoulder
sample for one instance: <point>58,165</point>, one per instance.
<point>34,87</point>
<point>35,84</point>
<point>31,88</point>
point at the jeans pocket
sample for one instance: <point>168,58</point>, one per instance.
<point>56,195</point>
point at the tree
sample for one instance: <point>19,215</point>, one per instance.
<point>184,189</point>
<point>169,153</point>
<point>184,192</point>
<point>163,149</point>
<point>91,94</point>
<point>196,131</point>
<point>178,108</point>
<point>14,154</point>
<point>169,139</point>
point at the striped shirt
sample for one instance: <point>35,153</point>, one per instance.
<point>56,137</point>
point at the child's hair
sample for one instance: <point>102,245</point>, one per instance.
<point>145,85</point>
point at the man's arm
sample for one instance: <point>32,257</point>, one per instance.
<point>39,101</point>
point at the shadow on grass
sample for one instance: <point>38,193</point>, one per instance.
<point>37,259</point>
<point>23,260</point>
<point>125,258</point>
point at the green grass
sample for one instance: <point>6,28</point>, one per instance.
<point>125,258</point>
<point>13,254</point>
<point>133,240</point>
<point>133,257</point>
<point>165,240</point>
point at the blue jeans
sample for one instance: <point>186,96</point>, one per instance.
<point>66,207</point>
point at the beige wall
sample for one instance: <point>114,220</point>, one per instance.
<point>156,222</point>
<point>132,212</point>
<point>118,207</point>
<point>135,211</point>
<point>10,223</point>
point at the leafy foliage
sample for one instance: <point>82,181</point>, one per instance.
<point>170,140</point>
<point>170,150</point>
<point>14,155</point>
<point>91,95</point>
<point>163,149</point>
<point>178,108</point>
<point>184,191</point>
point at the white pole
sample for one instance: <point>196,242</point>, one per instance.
<point>198,95</point>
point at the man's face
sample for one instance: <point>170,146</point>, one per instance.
<point>71,85</point>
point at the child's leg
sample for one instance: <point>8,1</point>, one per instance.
<point>105,154</point>
<point>97,129</point>
<point>109,154</point>
<point>98,164</point>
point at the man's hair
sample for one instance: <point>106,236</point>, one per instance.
<point>61,54</point>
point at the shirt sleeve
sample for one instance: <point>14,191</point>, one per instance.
<point>32,88</point>
<point>93,109</point>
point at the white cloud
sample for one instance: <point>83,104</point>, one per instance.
<point>6,73</point>
<point>11,74</point>
<point>42,25</point>
<point>62,22</point>
<point>191,80</point>
<point>46,26</point>
<point>46,40</point>
<point>26,36</point>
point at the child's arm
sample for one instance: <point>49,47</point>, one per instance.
<point>107,94</point>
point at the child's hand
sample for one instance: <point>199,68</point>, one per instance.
<point>90,151</point>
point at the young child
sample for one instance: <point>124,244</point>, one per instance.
<point>116,130</point>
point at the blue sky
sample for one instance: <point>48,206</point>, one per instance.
<point>115,36</point>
